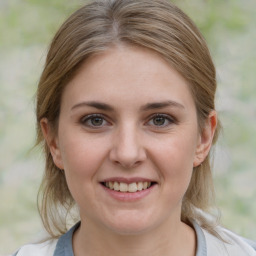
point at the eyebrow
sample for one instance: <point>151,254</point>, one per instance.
<point>94,104</point>
<point>148,106</point>
<point>159,105</point>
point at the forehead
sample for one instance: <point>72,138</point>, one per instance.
<point>129,74</point>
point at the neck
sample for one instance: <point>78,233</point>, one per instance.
<point>167,240</point>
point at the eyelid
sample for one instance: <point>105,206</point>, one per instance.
<point>170,118</point>
<point>88,117</point>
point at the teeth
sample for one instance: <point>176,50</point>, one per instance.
<point>116,186</point>
<point>140,186</point>
<point>111,184</point>
<point>133,187</point>
<point>124,187</point>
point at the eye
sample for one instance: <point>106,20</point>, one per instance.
<point>161,120</point>
<point>94,121</point>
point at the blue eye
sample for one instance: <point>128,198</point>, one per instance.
<point>161,120</point>
<point>94,121</point>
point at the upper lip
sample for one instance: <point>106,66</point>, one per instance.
<point>128,180</point>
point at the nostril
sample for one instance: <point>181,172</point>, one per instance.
<point>127,164</point>
<point>127,154</point>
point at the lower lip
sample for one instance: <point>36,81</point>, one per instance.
<point>128,196</point>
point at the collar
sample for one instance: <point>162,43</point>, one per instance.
<point>64,245</point>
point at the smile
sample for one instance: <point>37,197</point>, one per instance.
<point>125,187</point>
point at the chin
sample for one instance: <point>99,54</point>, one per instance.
<point>130,226</point>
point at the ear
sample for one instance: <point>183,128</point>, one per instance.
<point>205,138</point>
<point>52,141</point>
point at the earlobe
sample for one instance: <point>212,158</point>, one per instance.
<point>205,139</point>
<point>52,142</point>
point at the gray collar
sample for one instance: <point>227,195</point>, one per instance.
<point>201,242</point>
<point>64,244</point>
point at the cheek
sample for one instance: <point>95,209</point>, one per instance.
<point>175,153</point>
<point>81,157</point>
<point>174,161</point>
<point>81,162</point>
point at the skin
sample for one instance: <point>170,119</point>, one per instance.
<point>130,137</point>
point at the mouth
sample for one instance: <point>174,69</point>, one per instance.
<point>128,187</point>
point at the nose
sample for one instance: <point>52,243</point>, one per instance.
<point>127,148</point>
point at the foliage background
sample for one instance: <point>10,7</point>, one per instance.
<point>26,27</point>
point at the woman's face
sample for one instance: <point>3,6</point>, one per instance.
<point>128,122</point>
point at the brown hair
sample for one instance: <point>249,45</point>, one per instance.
<point>157,25</point>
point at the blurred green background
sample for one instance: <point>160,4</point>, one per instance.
<point>26,28</point>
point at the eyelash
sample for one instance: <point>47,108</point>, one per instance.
<point>165,117</point>
<point>89,118</point>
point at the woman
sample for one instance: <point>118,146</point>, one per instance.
<point>125,111</point>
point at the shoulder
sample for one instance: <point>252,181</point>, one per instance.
<point>234,245</point>
<point>60,246</point>
<point>39,249</point>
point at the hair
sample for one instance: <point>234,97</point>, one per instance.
<point>156,25</point>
